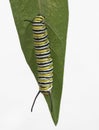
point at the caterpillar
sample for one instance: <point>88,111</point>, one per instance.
<point>43,57</point>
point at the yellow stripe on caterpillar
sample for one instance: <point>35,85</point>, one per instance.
<point>40,35</point>
<point>45,75</point>
<point>45,68</point>
<point>42,51</point>
<point>41,43</point>
<point>45,80</point>
<point>44,60</point>
<point>45,88</point>
<point>42,27</point>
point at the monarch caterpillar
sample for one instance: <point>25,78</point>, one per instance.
<point>43,57</point>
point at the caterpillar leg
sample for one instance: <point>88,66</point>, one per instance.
<point>35,100</point>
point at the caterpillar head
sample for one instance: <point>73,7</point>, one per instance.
<point>39,19</point>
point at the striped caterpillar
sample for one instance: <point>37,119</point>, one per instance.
<point>43,57</point>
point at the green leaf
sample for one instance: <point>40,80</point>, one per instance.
<point>56,15</point>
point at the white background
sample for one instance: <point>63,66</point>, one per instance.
<point>80,99</point>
